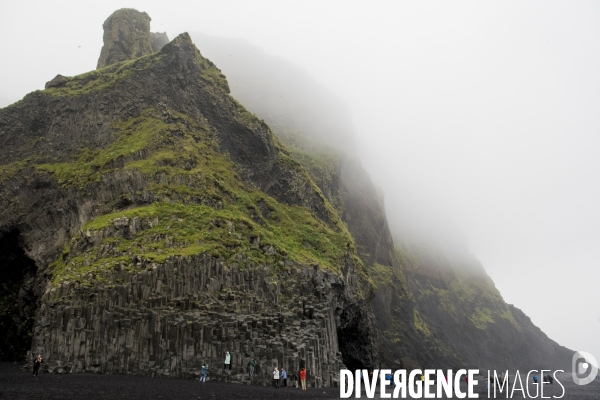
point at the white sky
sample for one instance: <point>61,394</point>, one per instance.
<point>484,113</point>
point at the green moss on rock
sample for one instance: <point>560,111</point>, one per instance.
<point>222,216</point>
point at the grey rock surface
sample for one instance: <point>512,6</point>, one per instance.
<point>58,81</point>
<point>165,319</point>
<point>127,36</point>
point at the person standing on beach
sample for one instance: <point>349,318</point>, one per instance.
<point>276,378</point>
<point>500,380</point>
<point>36,365</point>
<point>251,364</point>
<point>227,361</point>
<point>284,377</point>
<point>303,378</point>
<point>204,373</point>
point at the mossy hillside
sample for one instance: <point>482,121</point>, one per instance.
<point>456,285</point>
<point>404,324</point>
<point>97,80</point>
<point>211,210</point>
<point>420,324</point>
<point>321,162</point>
<point>7,171</point>
<point>110,76</point>
<point>202,73</point>
<point>147,132</point>
<point>227,233</point>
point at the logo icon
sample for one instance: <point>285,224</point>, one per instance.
<point>583,363</point>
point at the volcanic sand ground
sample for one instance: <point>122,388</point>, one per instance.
<point>17,384</point>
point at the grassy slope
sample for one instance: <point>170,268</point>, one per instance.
<point>203,205</point>
<point>230,222</point>
<point>465,290</point>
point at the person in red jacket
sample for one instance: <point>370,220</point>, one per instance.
<point>303,378</point>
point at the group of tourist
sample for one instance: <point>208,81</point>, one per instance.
<point>277,374</point>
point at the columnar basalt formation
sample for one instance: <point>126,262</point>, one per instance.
<point>167,225</point>
<point>168,319</point>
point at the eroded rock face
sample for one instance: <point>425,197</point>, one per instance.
<point>168,319</point>
<point>159,39</point>
<point>127,36</point>
<point>58,81</point>
<point>432,309</point>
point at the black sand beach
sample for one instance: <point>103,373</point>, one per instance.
<point>17,384</point>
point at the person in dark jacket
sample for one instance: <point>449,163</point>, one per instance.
<point>36,365</point>
<point>251,364</point>
<point>204,373</point>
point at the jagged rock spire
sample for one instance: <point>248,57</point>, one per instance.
<point>127,36</point>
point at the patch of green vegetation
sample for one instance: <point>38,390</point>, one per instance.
<point>223,217</point>
<point>381,274</point>
<point>188,230</point>
<point>134,135</point>
<point>96,80</point>
<point>463,291</point>
<point>420,323</point>
<point>111,75</point>
<point>7,171</point>
<point>322,163</point>
<point>507,315</point>
<point>481,317</point>
<point>456,284</point>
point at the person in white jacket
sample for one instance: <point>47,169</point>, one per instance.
<point>227,361</point>
<point>276,378</point>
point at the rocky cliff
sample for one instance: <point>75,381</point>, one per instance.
<point>432,309</point>
<point>149,223</point>
<point>458,305</point>
<point>163,225</point>
<point>127,36</point>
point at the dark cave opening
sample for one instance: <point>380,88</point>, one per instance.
<point>18,302</point>
<point>353,340</point>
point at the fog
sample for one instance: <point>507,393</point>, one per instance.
<point>477,120</point>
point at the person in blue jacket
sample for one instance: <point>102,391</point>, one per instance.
<point>388,377</point>
<point>204,373</point>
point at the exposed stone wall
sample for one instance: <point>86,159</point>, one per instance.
<point>168,319</point>
<point>127,36</point>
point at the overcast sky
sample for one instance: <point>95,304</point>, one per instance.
<point>478,115</point>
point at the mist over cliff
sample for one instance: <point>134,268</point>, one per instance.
<point>435,303</point>
<point>146,194</point>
